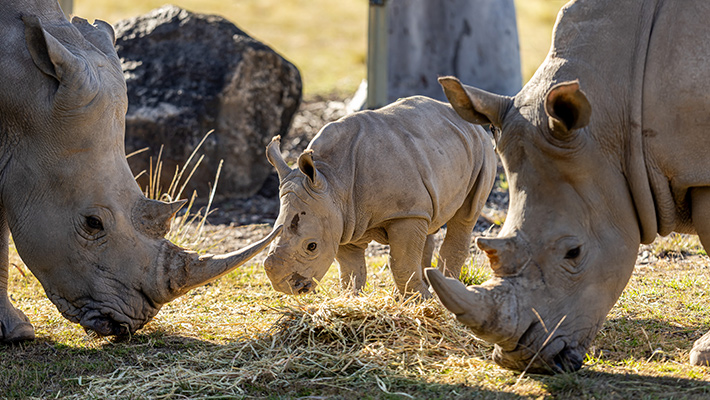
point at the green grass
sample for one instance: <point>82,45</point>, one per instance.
<point>325,39</point>
<point>238,338</point>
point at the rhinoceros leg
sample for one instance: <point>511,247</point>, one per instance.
<point>428,252</point>
<point>700,206</point>
<point>455,248</point>
<point>353,271</point>
<point>14,325</point>
<point>407,238</point>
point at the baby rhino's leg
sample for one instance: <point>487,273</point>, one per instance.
<point>407,239</point>
<point>353,271</point>
<point>454,249</point>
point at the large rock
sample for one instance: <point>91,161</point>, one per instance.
<point>474,40</point>
<point>189,73</point>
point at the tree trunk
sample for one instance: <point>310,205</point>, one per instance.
<point>474,40</point>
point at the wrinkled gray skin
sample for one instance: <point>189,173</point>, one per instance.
<point>395,175</point>
<point>604,148</point>
<point>78,219</point>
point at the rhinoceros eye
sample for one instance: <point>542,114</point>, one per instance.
<point>94,223</point>
<point>312,246</point>
<point>573,253</point>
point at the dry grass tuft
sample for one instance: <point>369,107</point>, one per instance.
<point>321,341</point>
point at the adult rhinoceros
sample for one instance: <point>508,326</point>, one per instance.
<point>77,217</point>
<point>604,148</point>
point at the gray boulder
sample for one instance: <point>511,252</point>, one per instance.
<point>189,73</point>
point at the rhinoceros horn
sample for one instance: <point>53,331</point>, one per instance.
<point>180,270</point>
<point>507,255</point>
<point>273,154</point>
<point>475,105</point>
<point>153,217</point>
<point>489,310</point>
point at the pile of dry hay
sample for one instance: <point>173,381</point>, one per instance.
<point>334,342</point>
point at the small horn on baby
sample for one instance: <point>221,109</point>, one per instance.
<point>273,154</point>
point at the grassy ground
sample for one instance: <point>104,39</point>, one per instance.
<point>237,338</point>
<point>325,39</point>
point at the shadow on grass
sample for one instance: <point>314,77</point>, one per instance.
<point>588,384</point>
<point>45,368</point>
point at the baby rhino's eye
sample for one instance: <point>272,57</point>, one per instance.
<point>94,223</point>
<point>312,246</point>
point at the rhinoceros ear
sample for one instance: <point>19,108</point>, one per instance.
<point>475,105</point>
<point>38,45</point>
<point>567,109</point>
<point>308,167</point>
<point>100,34</point>
<point>79,82</point>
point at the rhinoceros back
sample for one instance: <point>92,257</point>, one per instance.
<point>413,158</point>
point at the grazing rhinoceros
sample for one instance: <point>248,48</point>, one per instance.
<point>395,175</point>
<point>78,219</point>
<point>604,148</point>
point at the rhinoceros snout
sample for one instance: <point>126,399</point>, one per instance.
<point>300,284</point>
<point>568,360</point>
<point>104,326</point>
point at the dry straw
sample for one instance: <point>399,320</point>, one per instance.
<point>335,341</point>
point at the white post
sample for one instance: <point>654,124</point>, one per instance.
<point>377,55</point>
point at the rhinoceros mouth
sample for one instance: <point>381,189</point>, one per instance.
<point>300,284</point>
<point>537,351</point>
<point>294,284</point>
<point>104,326</point>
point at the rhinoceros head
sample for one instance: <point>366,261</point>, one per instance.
<point>313,225</point>
<point>78,219</point>
<point>569,241</point>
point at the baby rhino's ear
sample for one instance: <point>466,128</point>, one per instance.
<point>308,168</point>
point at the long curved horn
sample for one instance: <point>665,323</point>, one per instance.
<point>490,310</point>
<point>273,154</point>
<point>183,270</point>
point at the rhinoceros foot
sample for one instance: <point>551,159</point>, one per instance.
<point>700,353</point>
<point>15,326</point>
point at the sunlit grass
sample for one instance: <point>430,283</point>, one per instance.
<point>238,337</point>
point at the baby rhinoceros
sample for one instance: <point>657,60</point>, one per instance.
<point>395,175</point>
